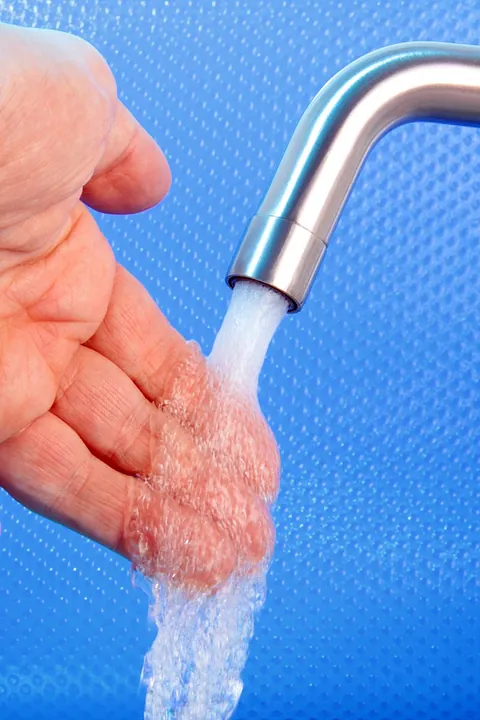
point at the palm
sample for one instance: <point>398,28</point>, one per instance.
<point>47,309</point>
<point>86,358</point>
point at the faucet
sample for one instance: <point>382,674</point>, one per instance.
<point>286,240</point>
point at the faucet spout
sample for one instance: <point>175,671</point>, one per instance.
<point>286,240</point>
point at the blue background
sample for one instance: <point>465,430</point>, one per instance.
<point>373,390</point>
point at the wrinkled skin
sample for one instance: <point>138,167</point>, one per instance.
<point>110,423</point>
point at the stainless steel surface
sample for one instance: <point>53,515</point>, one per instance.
<point>285,242</point>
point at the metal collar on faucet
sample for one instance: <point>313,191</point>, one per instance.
<point>286,240</point>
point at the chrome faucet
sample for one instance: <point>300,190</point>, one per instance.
<point>286,240</point>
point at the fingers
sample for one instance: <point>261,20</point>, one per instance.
<point>122,428</point>
<point>164,538</point>
<point>50,470</point>
<point>138,337</point>
<point>107,410</point>
<point>133,173</point>
<point>212,484</point>
<point>226,423</point>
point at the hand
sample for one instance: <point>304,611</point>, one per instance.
<point>110,423</point>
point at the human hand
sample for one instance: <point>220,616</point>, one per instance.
<point>109,422</point>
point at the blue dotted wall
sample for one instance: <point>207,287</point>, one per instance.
<point>373,609</point>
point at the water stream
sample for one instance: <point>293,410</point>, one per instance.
<point>193,670</point>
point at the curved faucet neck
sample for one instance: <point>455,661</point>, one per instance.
<point>286,240</point>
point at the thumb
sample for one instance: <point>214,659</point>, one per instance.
<point>63,126</point>
<point>132,174</point>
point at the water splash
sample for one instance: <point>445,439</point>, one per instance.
<point>193,670</point>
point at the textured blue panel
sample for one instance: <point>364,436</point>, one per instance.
<point>373,390</point>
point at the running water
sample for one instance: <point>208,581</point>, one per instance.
<point>193,670</point>
<point>242,342</point>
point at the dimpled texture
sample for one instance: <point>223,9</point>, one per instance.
<point>373,609</point>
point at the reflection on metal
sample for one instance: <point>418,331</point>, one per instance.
<point>286,240</point>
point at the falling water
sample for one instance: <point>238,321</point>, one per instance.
<point>242,342</point>
<point>193,670</point>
